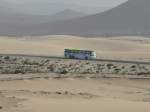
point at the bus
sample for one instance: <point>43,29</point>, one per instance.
<point>79,54</point>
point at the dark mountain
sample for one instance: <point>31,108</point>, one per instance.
<point>132,17</point>
<point>19,18</point>
<point>12,23</point>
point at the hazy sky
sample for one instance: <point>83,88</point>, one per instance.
<point>81,2</point>
<point>53,6</point>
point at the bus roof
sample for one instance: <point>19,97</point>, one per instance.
<point>78,50</point>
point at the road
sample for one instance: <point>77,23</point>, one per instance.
<point>59,57</point>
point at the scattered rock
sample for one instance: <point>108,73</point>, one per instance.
<point>1,107</point>
<point>23,65</point>
<point>6,57</point>
<point>59,93</point>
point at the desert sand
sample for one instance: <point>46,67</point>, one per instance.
<point>41,93</point>
<point>71,95</point>
<point>108,48</point>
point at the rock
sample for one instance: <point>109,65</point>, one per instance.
<point>1,107</point>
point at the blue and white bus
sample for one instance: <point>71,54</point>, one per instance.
<point>79,54</point>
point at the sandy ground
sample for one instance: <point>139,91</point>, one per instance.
<point>72,95</point>
<point>75,94</point>
<point>112,48</point>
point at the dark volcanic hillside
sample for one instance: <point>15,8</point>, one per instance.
<point>16,23</point>
<point>131,17</point>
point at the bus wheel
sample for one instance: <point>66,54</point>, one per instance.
<point>86,58</point>
<point>71,57</point>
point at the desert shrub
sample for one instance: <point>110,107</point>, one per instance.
<point>51,68</point>
<point>133,66</point>
<point>30,62</point>
<point>124,72</point>
<point>6,57</point>
<point>19,71</point>
<point>26,61</point>
<point>36,63</point>
<point>116,71</point>
<point>1,107</point>
<point>109,66</point>
<point>64,72</point>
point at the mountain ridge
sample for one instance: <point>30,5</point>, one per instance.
<point>131,17</point>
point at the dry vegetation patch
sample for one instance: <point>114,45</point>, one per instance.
<point>24,65</point>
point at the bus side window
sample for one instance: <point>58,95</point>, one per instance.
<point>82,52</point>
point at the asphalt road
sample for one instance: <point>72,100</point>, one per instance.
<point>58,57</point>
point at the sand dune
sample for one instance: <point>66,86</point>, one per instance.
<point>80,105</point>
<point>109,95</point>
